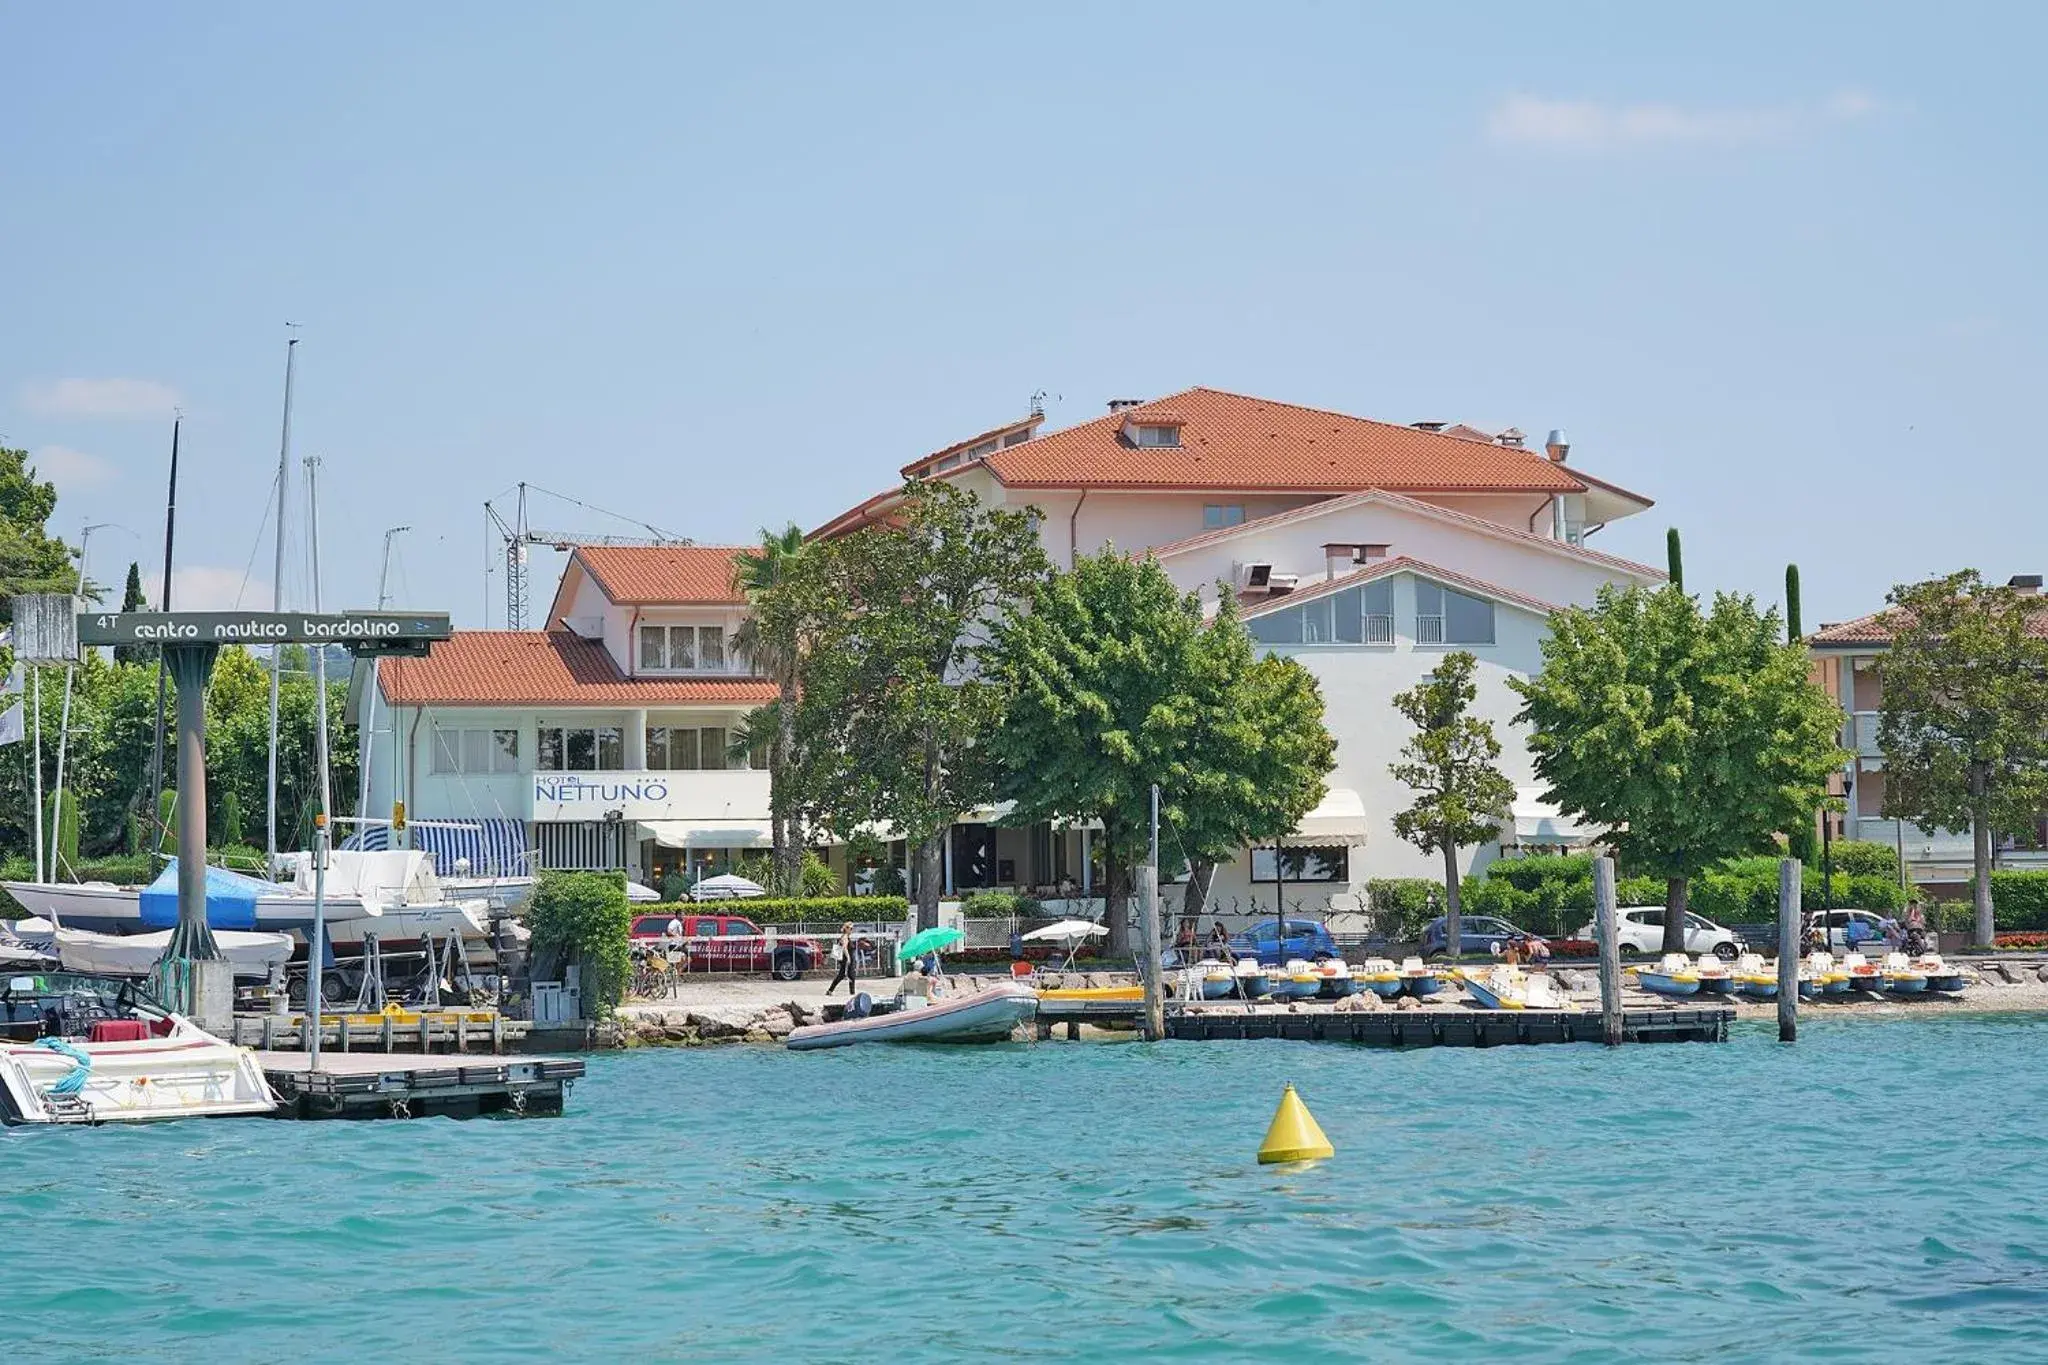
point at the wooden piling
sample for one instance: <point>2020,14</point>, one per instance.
<point>1153,1023</point>
<point>1788,950</point>
<point>1610,951</point>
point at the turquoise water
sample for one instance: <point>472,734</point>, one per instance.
<point>1870,1194</point>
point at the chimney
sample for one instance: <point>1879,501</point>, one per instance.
<point>1125,404</point>
<point>1556,446</point>
<point>1429,426</point>
<point>1511,438</point>
<point>2026,584</point>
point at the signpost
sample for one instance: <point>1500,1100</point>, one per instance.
<point>194,976</point>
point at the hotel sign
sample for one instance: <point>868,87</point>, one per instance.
<point>733,793</point>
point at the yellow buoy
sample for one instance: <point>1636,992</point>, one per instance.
<point>1293,1135</point>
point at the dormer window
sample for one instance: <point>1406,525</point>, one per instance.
<point>1149,434</point>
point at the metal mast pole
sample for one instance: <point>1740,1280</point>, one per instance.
<point>64,721</point>
<point>156,746</point>
<point>284,451</point>
<point>370,705</point>
<point>1148,891</point>
<point>323,838</point>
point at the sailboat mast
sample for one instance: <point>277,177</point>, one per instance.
<point>156,744</point>
<point>323,830</point>
<point>369,729</point>
<point>284,452</point>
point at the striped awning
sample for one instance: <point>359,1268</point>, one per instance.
<point>493,847</point>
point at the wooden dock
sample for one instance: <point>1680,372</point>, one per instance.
<point>363,1085</point>
<point>1434,1026</point>
<point>443,1031</point>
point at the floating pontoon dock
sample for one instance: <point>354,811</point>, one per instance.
<point>1432,1026</point>
<point>363,1085</point>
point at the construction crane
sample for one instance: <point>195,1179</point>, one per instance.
<point>518,537</point>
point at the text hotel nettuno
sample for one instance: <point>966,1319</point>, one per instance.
<point>576,791</point>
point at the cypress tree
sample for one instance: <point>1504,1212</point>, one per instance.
<point>1793,634</point>
<point>1675,559</point>
<point>132,600</point>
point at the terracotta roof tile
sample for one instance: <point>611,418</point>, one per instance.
<point>1877,628</point>
<point>664,575</point>
<point>545,668</point>
<point>1030,423</point>
<point>1230,441</point>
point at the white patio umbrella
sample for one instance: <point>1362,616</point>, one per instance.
<point>726,888</point>
<point>1068,931</point>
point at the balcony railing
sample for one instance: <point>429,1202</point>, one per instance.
<point>1379,630</point>
<point>1429,630</point>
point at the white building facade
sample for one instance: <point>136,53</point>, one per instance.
<point>1363,549</point>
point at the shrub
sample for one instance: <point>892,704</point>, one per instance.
<point>1953,917</point>
<point>1527,874</point>
<point>1640,891</point>
<point>2019,900</point>
<point>812,909</point>
<point>818,878</point>
<point>1862,892</point>
<point>1861,858</point>
<point>2027,938</point>
<point>1487,896</point>
<point>1401,905</point>
<point>584,917</point>
<point>1000,905</point>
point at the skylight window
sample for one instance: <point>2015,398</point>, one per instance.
<point>1155,436</point>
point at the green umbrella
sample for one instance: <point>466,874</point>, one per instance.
<point>927,940</point>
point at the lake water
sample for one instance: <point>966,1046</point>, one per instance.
<point>1870,1194</point>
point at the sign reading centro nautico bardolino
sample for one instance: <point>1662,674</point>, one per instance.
<point>358,629</point>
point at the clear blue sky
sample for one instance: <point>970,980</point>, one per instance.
<point>1777,266</point>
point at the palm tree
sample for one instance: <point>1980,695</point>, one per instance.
<point>773,642</point>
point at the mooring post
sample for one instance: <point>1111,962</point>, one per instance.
<point>1610,951</point>
<point>1788,950</point>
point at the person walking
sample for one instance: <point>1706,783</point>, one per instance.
<point>843,954</point>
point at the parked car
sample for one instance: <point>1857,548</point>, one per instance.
<point>1476,934</point>
<point>1275,946</point>
<point>1639,929</point>
<point>1875,926</point>
<point>730,943</point>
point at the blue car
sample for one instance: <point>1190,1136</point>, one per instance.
<point>1275,947</point>
<point>1477,934</point>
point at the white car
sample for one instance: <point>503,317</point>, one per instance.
<point>1640,928</point>
<point>1872,932</point>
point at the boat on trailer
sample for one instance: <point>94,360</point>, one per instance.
<point>85,1049</point>
<point>985,1016</point>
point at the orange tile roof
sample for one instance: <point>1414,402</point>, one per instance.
<point>1030,423</point>
<point>1231,441</point>
<point>1877,628</point>
<point>664,575</point>
<point>545,668</point>
<point>1400,564</point>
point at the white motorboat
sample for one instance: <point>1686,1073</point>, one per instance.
<point>82,1049</point>
<point>233,901</point>
<point>81,950</point>
<point>985,1016</point>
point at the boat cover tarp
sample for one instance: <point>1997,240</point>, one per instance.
<point>495,847</point>
<point>134,954</point>
<point>230,898</point>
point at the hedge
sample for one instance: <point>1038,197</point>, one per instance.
<point>1401,905</point>
<point>1000,905</point>
<point>812,909</point>
<point>585,918</point>
<point>1860,858</point>
<point>2019,900</point>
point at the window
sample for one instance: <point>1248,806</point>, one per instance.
<point>1444,617</point>
<point>582,749</point>
<point>672,649</point>
<point>686,748</point>
<point>1362,615</point>
<point>476,751</point>
<point>1217,515</point>
<point>1016,438</point>
<point>1332,864</point>
<point>1156,436</point>
<point>976,452</point>
<point>1376,602</point>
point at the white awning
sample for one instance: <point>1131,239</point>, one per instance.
<point>1539,822</point>
<point>708,833</point>
<point>1339,818</point>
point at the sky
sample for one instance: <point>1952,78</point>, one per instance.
<point>719,268</point>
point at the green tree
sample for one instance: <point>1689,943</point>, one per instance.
<point>1793,634</point>
<point>1674,558</point>
<point>133,600</point>
<point>1115,684</point>
<point>1692,736</point>
<point>773,639</point>
<point>1451,764</point>
<point>1963,721</point>
<point>895,709</point>
<point>30,560</point>
<point>1257,754</point>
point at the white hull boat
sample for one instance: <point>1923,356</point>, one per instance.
<point>81,950</point>
<point>84,1050</point>
<point>986,1016</point>
<point>104,908</point>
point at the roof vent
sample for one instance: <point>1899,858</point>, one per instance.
<point>2028,583</point>
<point>1511,438</point>
<point>1557,445</point>
<point>1429,426</point>
<point>1125,404</point>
